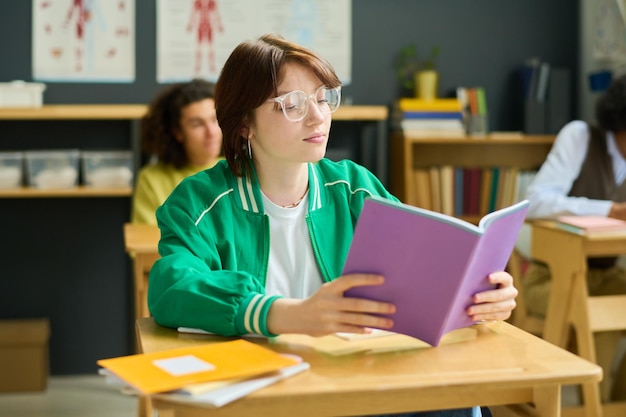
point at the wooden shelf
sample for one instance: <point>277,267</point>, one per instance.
<point>75,112</point>
<point>482,140</point>
<point>361,113</point>
<point>412,153</point>
<point>136,111</point>
<point>131,112</point>
<point>81,191</point>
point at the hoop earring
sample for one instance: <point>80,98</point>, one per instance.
<point>249,149</point>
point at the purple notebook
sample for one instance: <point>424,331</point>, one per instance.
<point>433,263</point>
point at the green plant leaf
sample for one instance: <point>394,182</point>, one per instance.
<point>408,63</point>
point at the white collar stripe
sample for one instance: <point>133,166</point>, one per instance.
<point>218,198</point>
<point>316,203</point>
<point>318,191</point>
<point>242,195</point>
<point>255,207</point>
<point>365,190</point>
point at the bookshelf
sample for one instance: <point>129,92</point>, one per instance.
<point>134,112</point>
<point>130,112</point>
<point>410,154</point>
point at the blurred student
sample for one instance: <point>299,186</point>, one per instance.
<point>181,131</point>
<point>257,243</point>
<point>584,174</point>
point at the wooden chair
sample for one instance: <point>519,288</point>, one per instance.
<point>140,242</point>
<point>572,307</point>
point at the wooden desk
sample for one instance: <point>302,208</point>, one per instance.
<point>525,369</point>
<point>569,304</point>
<point>141,242</point>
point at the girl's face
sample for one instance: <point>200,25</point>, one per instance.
<point>199,132</point>
<point>276,140</point>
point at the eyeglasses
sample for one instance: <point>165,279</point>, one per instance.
<point>295,104</point>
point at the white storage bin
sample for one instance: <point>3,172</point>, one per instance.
<point>107,169</point>
<point>11,169</point>
<point>21,94</point>
<point>52,169</point>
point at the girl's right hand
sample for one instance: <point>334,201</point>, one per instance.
<point>328,311</point>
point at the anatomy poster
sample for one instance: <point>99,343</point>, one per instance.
<point>609,43</point>
<point>84,40</point>
<point>195,37</point>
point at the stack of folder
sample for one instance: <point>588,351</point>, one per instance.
<point>210,374</point>
<point>441,117</point>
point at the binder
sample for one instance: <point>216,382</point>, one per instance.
<point>559,100</point>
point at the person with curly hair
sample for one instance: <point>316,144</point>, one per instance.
<point>585,174</point>
<point>181,132</point>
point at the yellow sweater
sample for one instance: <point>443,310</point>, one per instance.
<point>154,184</point>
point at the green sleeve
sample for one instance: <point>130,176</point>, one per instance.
<point>198,281</point>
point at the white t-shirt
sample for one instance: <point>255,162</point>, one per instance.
<point>292,271</point>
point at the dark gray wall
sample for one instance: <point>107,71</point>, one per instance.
<point>482,42</point>
<point>64,258</point>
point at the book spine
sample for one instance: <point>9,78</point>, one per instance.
<point>459,194</point>
<point>485,191</point>
<point>410,104</point>
<point>455,115</point>
<point>432,124</point>
<point>495,174</point>
<point>422,192</point>
<point>434,133</point>
<point>446,175</point>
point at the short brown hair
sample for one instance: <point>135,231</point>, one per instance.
<point>159,125</point>
<point>249,77</point>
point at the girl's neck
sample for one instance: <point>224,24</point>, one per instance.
<point>284,187</point>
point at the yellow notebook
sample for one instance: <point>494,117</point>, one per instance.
<point>172,369</point>
<point>440,104</point>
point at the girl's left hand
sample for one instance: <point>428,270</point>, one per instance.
<point>496,304</point>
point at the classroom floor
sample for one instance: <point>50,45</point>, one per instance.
<point>70,396</point>
<point>89,395</point>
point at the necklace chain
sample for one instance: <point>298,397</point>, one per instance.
<point>292,205</point>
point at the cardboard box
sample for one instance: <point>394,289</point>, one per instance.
<point>24,355</point>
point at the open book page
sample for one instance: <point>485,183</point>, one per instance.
<point>336,345</point>
<point>361,336</point>
<point>424,257</point>
<point>501,229</point>
<point>420,253</point>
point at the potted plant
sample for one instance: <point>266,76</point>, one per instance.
<point>418,74</point>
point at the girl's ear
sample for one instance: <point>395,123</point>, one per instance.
<point>246,131</point>
<point>178,135</point>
